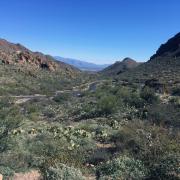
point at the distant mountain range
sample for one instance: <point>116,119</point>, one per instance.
<point>82,65</point>
<point>120,67</point>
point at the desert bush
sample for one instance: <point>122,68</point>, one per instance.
<point>16,159</point>
<point>123,92</point>
<point>10,119</point>
<point>60,98</point>
<point>60,145</point>
<point>120,139</point>
<point>144,141</point>
<point>134,100</point>
<point>149,95</point>
<point>166,168</point>
<point>176,91</point>
<point>62,172</point>
<point>130,97</point>
<point>6,171</point>
<point>107,105</point>
<point>98,156</point>
<point>5,102</point>
<point>122,168</point>
<point>164,114</point>
<point>175,101</point>
<point>88,111</point>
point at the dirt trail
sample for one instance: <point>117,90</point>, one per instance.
<point>83,87</point>
<point>104,146</point>
<point>33,175</point>
<point>90,177</point>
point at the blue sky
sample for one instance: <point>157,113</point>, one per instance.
<point>100,31</point>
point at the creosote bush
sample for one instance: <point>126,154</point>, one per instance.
<point>62,172</point>
<point>122,168</point>
<point>107,105</point>
<point>166,168</point>
<point>148,95</point>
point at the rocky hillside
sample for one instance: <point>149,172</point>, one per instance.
<point>170,49</point>
<point>23,72</point>
<point>17,54</point>
<point>163,67</point>
<point>120,67</point>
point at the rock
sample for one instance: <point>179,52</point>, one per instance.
<point>16,54</point>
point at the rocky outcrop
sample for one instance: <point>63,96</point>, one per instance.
<point>17,54</point>
<point>170,49</point>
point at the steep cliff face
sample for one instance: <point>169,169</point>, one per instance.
<point>170,49</point>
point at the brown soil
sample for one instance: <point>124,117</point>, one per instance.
<point>33,175</point>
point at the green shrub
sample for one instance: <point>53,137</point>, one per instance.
<point>62,172</point>
<point>166,168</point>
<point>16,159</point>
<point>99,155</point>
<point>175,101</point>
<point>122,168</point>
<point>176,91</point>
<point>123,92</point>
<point>134,100</point>
<point>6,171</point>
<point>10,119</point>
<point>149,95</point>
<point>107,105</point>
<point>5,102</point>
<point>164,114</point>
<point>60,98</point>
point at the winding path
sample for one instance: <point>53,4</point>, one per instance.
<point>91,86</point>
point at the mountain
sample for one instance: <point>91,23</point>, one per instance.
<point>23,72</point>
<point>82,65</point>
<point>17,54</point>
<point>163,68</point>
<point>170,49</point>
<point>120,67</point>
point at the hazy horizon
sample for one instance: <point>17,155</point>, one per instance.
<point>100,32</point>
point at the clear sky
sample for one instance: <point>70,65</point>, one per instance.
<point>100,31</point>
